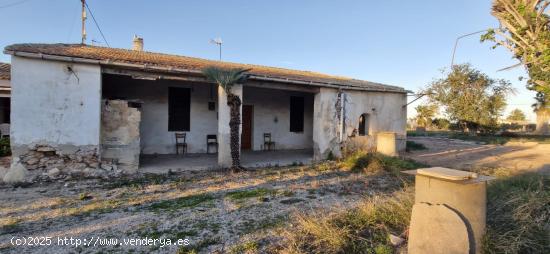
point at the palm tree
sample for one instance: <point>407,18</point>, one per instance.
<point>226,78</point>
<point>542,109</point>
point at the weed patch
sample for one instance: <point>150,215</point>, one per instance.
<point>254,193</point>
<point>355,230</point>
<point>243,248</point>
<point>375,162</point>
<point>182,202</point>
<point>412,146</point>
<point>518,215</point>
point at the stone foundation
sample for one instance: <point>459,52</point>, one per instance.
<point>48,157</point>
<point>46,162</point>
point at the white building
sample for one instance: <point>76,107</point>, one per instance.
<point>66,107</point>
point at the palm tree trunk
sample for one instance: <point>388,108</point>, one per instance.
<point>234,103</point>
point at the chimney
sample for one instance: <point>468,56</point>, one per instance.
<point>137,43</point>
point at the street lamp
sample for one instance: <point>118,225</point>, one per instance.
<point>219,42</point>
<point>460,37</point>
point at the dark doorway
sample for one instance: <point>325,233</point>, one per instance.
<point>364,125</point>
<point>5,110</point>
<point>246,135</point>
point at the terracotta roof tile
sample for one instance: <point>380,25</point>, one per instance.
<point>5,71</point>
<point>110,55</point>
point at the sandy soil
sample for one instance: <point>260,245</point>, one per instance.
<point>216,211</point>
<point>513,156</point>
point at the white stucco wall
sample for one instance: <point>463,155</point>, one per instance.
<point>51,105</point>
<point>154,134</point>
<point>270,104</point>
<point>386,113</point>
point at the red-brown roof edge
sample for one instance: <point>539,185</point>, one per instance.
<point>114,55</point>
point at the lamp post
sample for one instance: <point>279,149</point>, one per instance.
<point>219,42</point>
<point>456,43</point>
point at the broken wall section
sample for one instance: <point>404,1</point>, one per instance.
<point>120,137</point>
<point>55,119</point>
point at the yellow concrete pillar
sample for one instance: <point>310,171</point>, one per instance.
<point>450,205</point>
<point>386,143</point>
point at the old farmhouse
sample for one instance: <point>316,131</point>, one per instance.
<point>81,108</point>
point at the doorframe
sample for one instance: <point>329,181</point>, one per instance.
<point>251,126</point>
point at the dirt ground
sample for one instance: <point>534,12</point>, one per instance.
<point>513,156</point>
<point>216,211</point>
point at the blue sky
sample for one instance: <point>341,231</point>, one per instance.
<point>404,43</point>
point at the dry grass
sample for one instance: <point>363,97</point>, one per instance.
<point>518,215</point>
<point>362,229</point>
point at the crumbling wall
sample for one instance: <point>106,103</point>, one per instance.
<point>55,119</point>
<point>120,139</point>
<point>326,122</point>
<point>336,120</point>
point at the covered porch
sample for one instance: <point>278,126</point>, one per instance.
<point>163,163</point>
<point>277,122</point>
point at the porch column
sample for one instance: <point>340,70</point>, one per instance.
<point>224,149</point>
<point>326,137</point>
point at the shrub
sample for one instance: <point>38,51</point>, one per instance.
<point>374,162</point>
<point>411,146</point>
<point>5,149</point>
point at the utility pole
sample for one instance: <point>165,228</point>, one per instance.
<point>83,21</point>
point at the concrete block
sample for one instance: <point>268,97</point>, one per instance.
<point>386,143</point>
<point>437,229</point>
<point>463,192</point>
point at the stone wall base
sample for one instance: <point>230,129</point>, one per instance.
<point>44,163</point>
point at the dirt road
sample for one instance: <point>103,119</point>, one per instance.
<point>513,156</point>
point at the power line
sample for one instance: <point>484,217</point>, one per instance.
<point>96,24</point>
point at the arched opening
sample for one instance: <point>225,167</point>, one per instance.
<point>364,125</point>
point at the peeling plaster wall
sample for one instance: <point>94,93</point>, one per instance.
<point>270,104</point>
<point>388,115</point>
<point>120,143</point>
<point>53,106</point>
<point>155,137</point>
<point>325,124</point>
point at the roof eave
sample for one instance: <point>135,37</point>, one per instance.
<point>146,67</point>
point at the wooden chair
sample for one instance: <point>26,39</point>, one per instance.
<point>181,142</point>
<point>268,143</point>
<point>211,140</point>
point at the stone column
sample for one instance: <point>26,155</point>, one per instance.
<point>224,149</point>
<point>325,124</point>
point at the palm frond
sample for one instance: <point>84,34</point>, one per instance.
<point>225,77</point>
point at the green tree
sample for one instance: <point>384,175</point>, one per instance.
<point>470,97</point>
<point>441,123</point>
<point>516,115</point>
<point>226,78</point>
<point>425,114</point>
<point>525,31</point>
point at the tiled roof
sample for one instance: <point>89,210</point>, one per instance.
<point>4,71</point>
<point>115,55</point>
